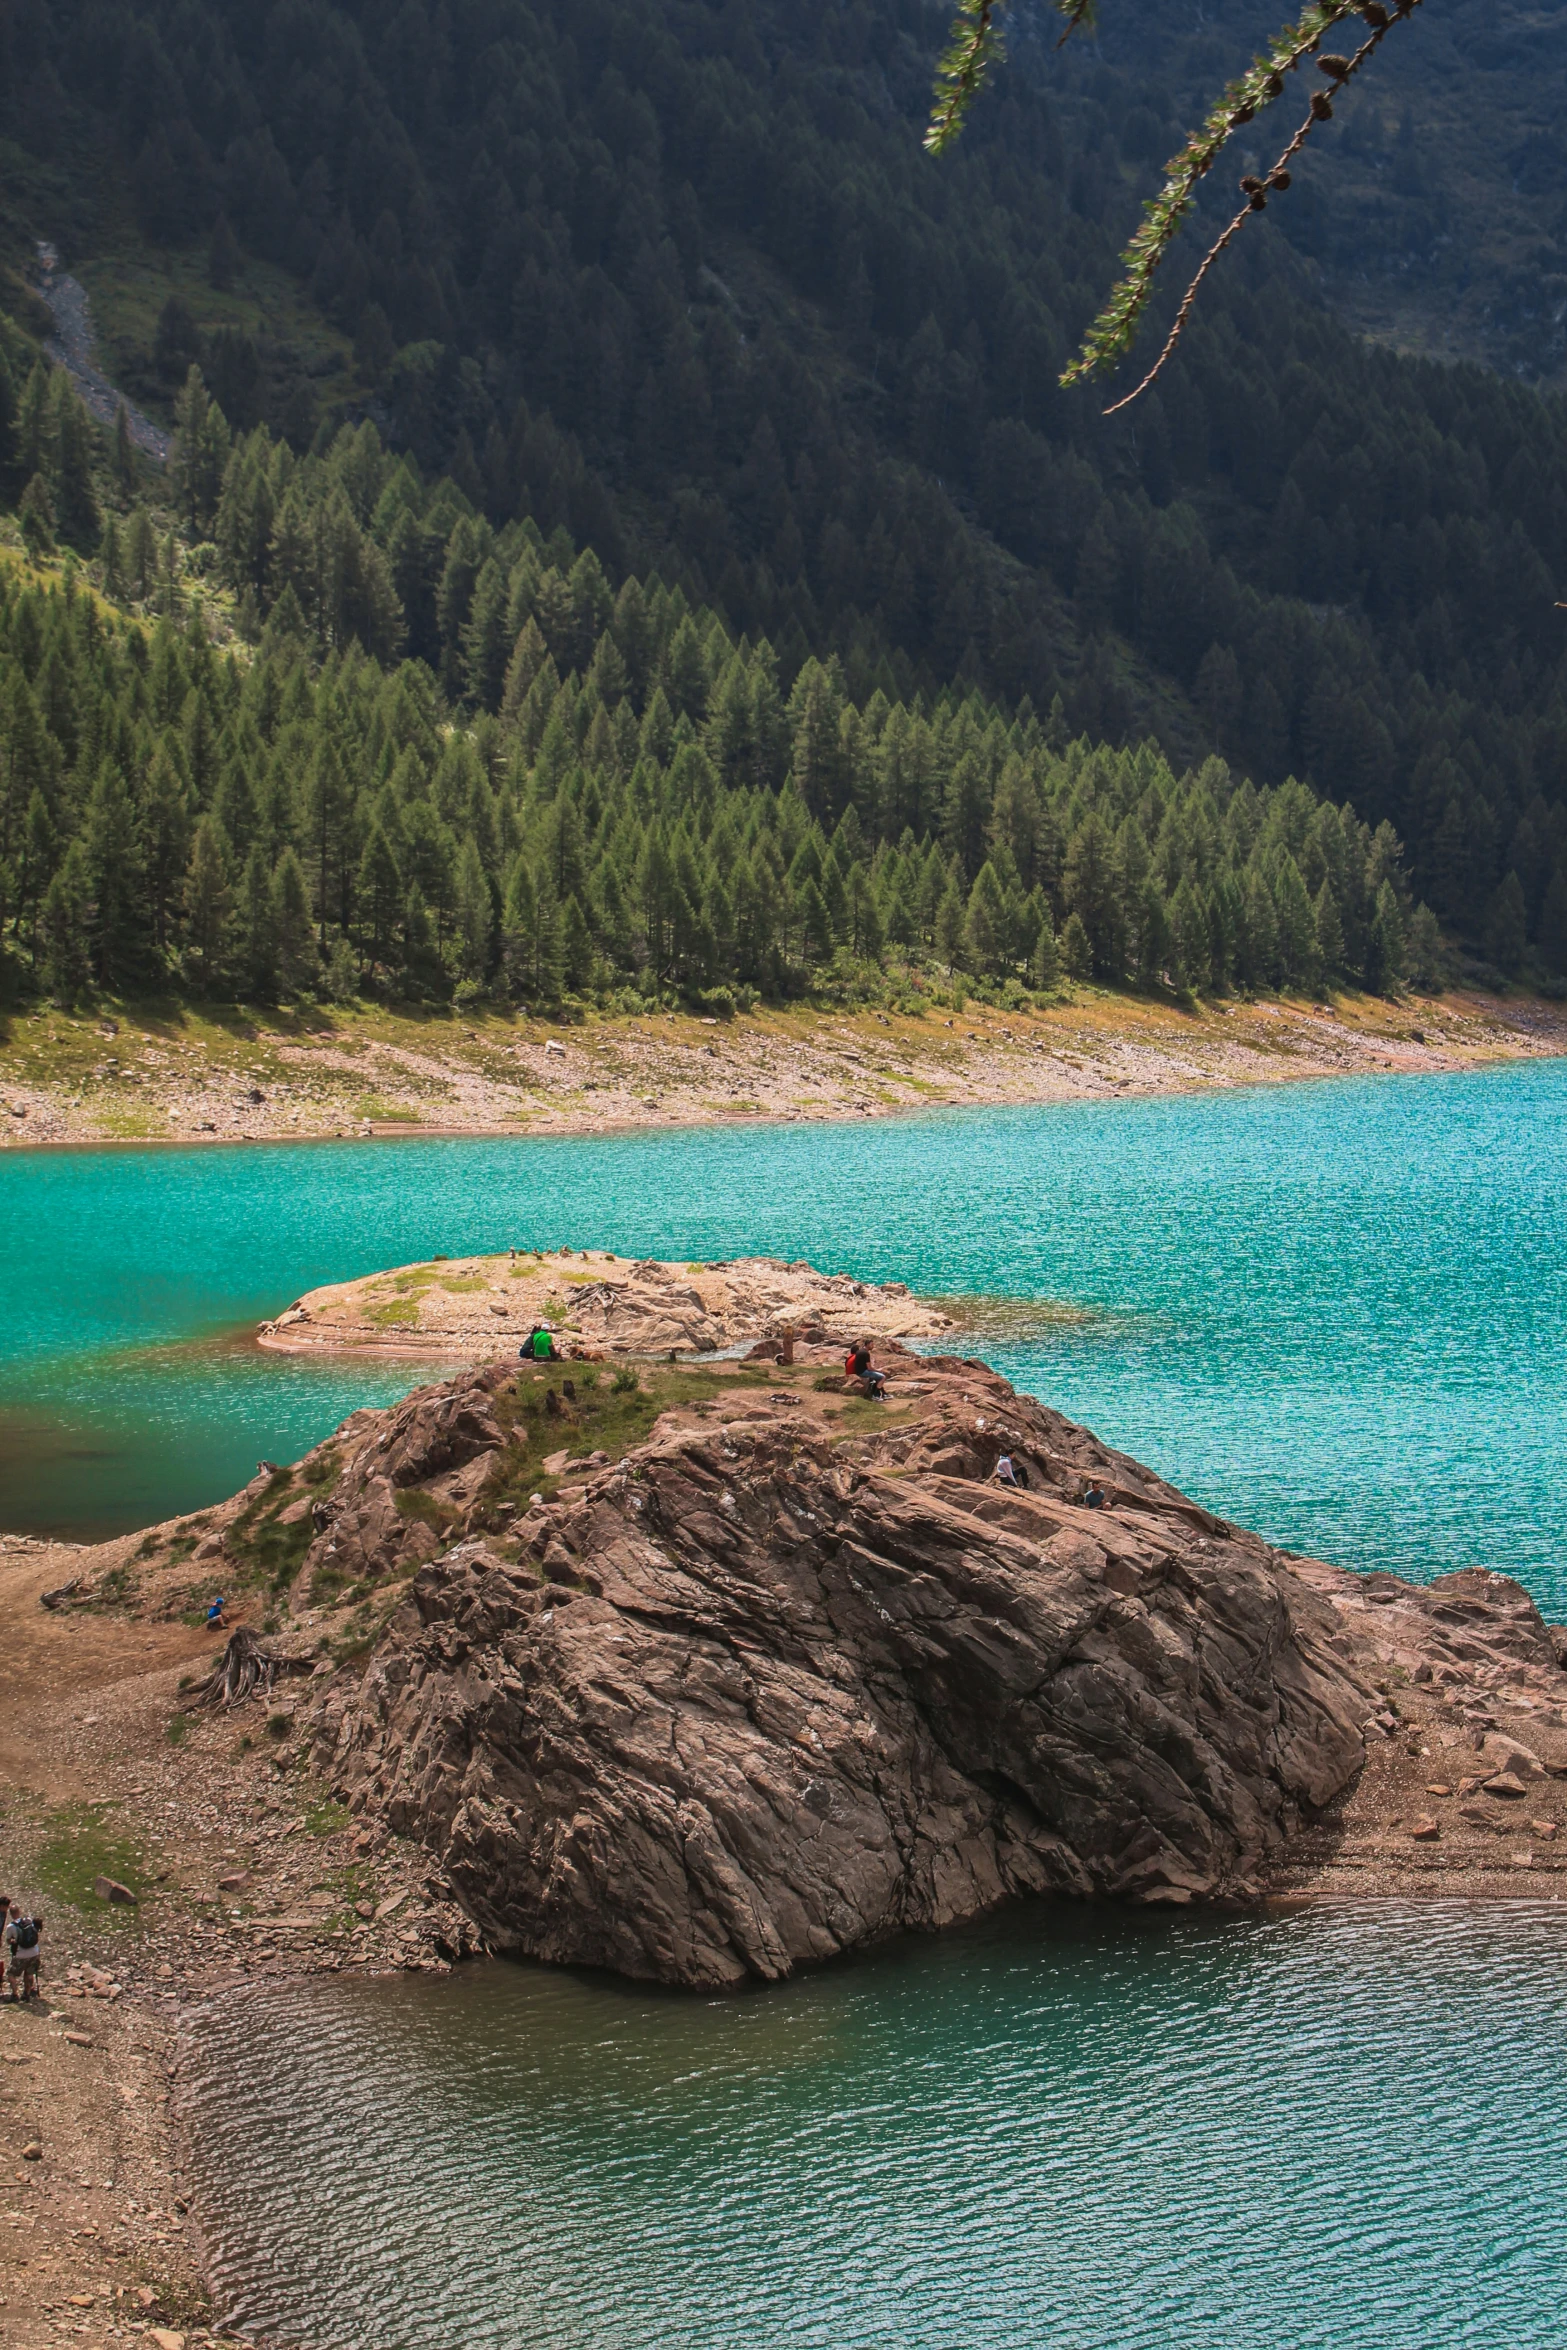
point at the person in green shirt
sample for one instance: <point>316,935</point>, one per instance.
<point>539,1345</point>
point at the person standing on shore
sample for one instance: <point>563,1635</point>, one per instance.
<point>21,1944</point>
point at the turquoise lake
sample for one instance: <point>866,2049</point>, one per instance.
<point>1334,1312</point>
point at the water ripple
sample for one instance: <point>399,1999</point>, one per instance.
<point>1336,2128</point>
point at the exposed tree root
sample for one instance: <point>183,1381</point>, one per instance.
<point>245,1670</point>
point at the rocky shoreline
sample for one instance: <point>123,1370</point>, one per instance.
<point>74,1079</point>
<point>704,1671</point>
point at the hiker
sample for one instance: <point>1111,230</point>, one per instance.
<point>215,1615</point>
<point>858,1367</point>
<point>21,1940</point>
<point>539,1345</point>
<point>1094,1498</point>
<point>1008,1472</point>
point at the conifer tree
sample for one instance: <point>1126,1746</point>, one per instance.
<point>380,897</point>
<point>163,836</point>
<point>124,452</point>
<point>1297,929</point>
<point>985,924</point>
<point>1155,935</point>
<point>297,954</point>
<point>34,866</point>
<point>487,649</point>
<point>114,862</point>
<point>109,559</point>
<point>1191,936</point>
<point>208,902</point>
<point>71,434</point>
<point>421,971</point>
<point>324,817</point>
<point>1076,953</point>
<point>1329,930</point>
<point>256,924</point>
<point>32,451</point>
<point>549,949</point>
<point>951,915</point>
<point>474,912</point>
<point>1044,968</point>
<point>7,422</point>
<point>38,519</point>
<point>64,925</point>
<point>141,553</point>
<point>519,918</point>
<point>576,947</point>
<point>201,449</point>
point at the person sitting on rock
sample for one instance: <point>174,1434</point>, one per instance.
<point>1007,1471</point>
<point>1094,1497</point>
<point>215,1615</point>
<point>539,1345</point>
<point>862,1372</point>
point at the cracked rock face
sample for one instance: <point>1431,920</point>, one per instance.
<point>760,1693</point>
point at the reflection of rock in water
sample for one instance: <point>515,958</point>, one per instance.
<point>71,347</point>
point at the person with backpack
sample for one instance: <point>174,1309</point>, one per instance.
<point>539,1345</point>
<point>858,1367</point>
<point>21,1944</point>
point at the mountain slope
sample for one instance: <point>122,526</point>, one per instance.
<point>679,277</point>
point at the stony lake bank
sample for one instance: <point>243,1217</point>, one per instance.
<point>702,1670</point>
<point>182,1074</point>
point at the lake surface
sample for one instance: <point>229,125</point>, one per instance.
<point>1335,1312</point>
<point>1320,2132</point>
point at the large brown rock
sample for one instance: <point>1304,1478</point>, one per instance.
<point>760,1693</point>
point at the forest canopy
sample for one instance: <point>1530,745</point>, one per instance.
<point>678,281</point>
<point>577,788</point>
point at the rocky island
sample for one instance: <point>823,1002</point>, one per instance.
<point>709,1670</point>
<point>599,1304</point>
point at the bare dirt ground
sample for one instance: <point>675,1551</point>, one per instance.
<point>241,1865</point>
<point>183,1075</point>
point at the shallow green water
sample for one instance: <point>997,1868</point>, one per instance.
<point>1335,1312</point>
<point>1058,2131</point>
